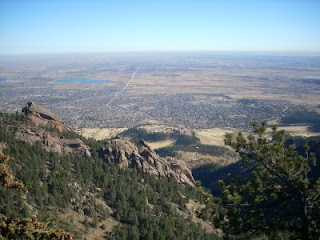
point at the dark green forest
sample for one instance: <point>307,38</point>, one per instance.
<point>304,117</point>
<point>271,193</point>
<point>49,177</point>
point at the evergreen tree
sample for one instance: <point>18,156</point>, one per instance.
<point>275,194</point>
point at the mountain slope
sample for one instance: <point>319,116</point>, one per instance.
<point>81,187</point>
<point>42,126</point>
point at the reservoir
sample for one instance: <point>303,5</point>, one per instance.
<point>311,78</point>
<point>82,80</point>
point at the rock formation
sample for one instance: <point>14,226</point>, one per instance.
<point>48,130</point>
<point>124,153</point>
<point>42,116</point>
<point>51,141</point>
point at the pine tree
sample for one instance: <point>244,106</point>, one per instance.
<point>27,228</point>
<point>275,193</point>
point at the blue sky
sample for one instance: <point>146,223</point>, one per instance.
<point>56,26</point>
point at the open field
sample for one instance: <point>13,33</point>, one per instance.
<point>193,159</point>
<point>209,136</point>
<point>153,128</point>
<point>101,133</point>
<point>212,136</point>
<point>160,144</point>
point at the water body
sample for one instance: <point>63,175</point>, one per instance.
<point>311,78</point>
<point>2,79</point>
<point>82,80</point>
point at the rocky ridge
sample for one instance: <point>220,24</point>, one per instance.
<point>46,128</point>
<point>43,117</point>
<point>125,153</point>
<point>42,126</point>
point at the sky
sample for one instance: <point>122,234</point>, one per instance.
<point>62,26</point>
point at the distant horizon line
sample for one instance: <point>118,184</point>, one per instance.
<point>299,53</point>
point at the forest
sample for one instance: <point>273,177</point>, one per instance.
<point>271,193</point>
<point>49,176</point>
<point>310,118</point>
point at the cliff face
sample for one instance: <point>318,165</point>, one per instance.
<point>43,117</point>
<point>51,141</point>
<point>123,152</point>
<point>46,128</point>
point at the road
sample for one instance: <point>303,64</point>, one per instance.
<point>124,88</point>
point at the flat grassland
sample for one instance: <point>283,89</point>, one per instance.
<point>263,80</point>
<point>209,136</point>
<point>212,136</point>
<point>161,144</point>
<point>193,159</point>
<point>215,136</point>
<point>101,133</point>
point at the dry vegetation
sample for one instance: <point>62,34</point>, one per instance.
<point>101,133</point>
<point>238,83</point>
<point>100,232</point>
<point>193,159</point>
<point>212,136</point>
<point>161,144</point>
<point>153,128</point>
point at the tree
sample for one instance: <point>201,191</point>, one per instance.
<point>6,175</point>
<point>27,228</point>
<point>274,194</point>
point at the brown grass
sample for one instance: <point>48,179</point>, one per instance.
<point>212,136</point>
<point>101,133</point>
<point>193,159</point>
<point>93,233</point>
<point>160,144</point>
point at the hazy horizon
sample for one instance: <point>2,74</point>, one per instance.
<point>152,52</point>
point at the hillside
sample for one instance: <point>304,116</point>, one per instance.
<point>183,144</point>
<point>97,189</point>
<point>122,189</point>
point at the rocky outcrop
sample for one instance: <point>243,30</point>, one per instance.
<point>48,130</point>
<point>51,141</point>
<point>43,117</point>
<point>124,153</point>
<point>119,151</point>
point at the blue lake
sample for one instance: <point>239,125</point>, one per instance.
<point>81,80</point>
<point>2,79</point>
<point>312,77</point>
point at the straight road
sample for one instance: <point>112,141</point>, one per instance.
<point>124,88</point>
